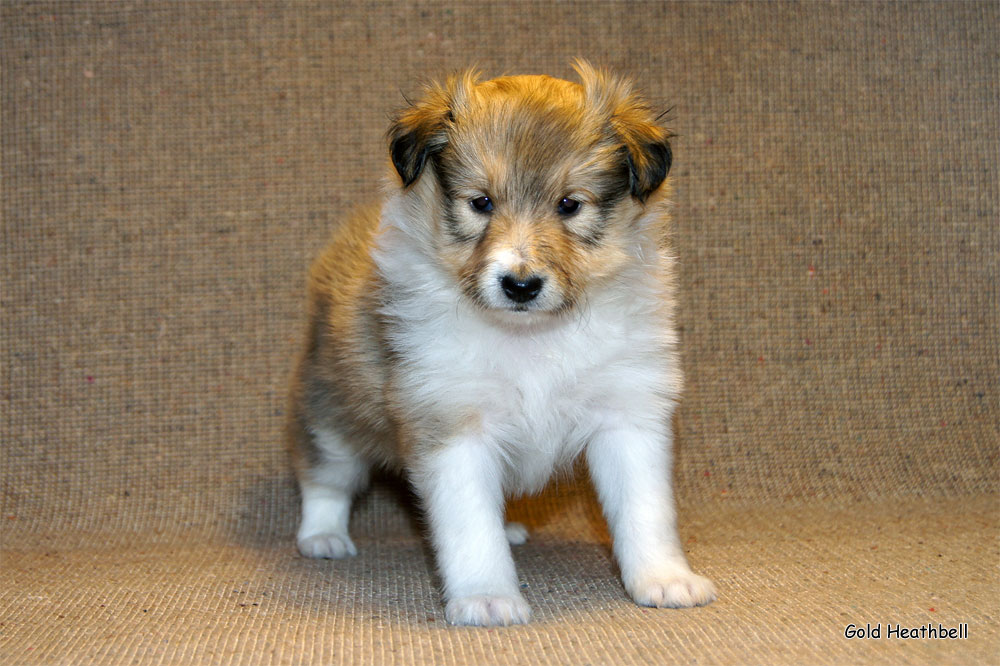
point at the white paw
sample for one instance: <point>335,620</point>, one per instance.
<point>676,590</point>
<point>517,533</point>
<point>488,610</point>
<point>328,545</point>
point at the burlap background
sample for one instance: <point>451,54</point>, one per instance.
<point>169,169</point>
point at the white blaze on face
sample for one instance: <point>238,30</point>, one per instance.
<point>507,259</point>
<point>503,261</point>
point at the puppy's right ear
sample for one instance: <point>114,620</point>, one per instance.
<point>413,136</point>
<point>421,130</point>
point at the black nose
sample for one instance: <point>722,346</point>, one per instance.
<point>521,290</point>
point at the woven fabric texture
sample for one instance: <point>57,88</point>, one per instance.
<point>169,169</point>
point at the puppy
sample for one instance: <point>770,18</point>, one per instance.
<point>507,307</point>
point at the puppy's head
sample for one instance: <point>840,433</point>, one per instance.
<point>532,188</point>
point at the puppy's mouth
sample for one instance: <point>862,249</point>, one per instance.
<point>524,319</point>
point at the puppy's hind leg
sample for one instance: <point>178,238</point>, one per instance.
<point>517,534</point>
<point>330,477</point>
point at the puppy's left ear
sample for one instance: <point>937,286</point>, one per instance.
<point>647,144</point>
<point>634,124</point>
<point>648,160</point>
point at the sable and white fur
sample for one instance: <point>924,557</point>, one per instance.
<point>506,308</point>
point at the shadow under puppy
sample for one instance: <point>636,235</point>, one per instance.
<point>507,307</point>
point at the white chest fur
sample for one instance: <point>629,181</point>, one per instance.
<point>537,394</point>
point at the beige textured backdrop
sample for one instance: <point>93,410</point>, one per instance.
<point>170,168</point>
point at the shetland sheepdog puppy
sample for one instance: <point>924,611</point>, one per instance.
<point>505,308</point>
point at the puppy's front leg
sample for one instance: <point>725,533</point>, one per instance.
<point>460,485</point>
<point>631,469</point>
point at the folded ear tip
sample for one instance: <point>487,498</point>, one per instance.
<point>648,166</point>
<point>407,155</point>
<point>420,130</point>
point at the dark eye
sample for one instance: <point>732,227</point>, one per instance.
<point>482,204</point>
<point>569,206</point>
